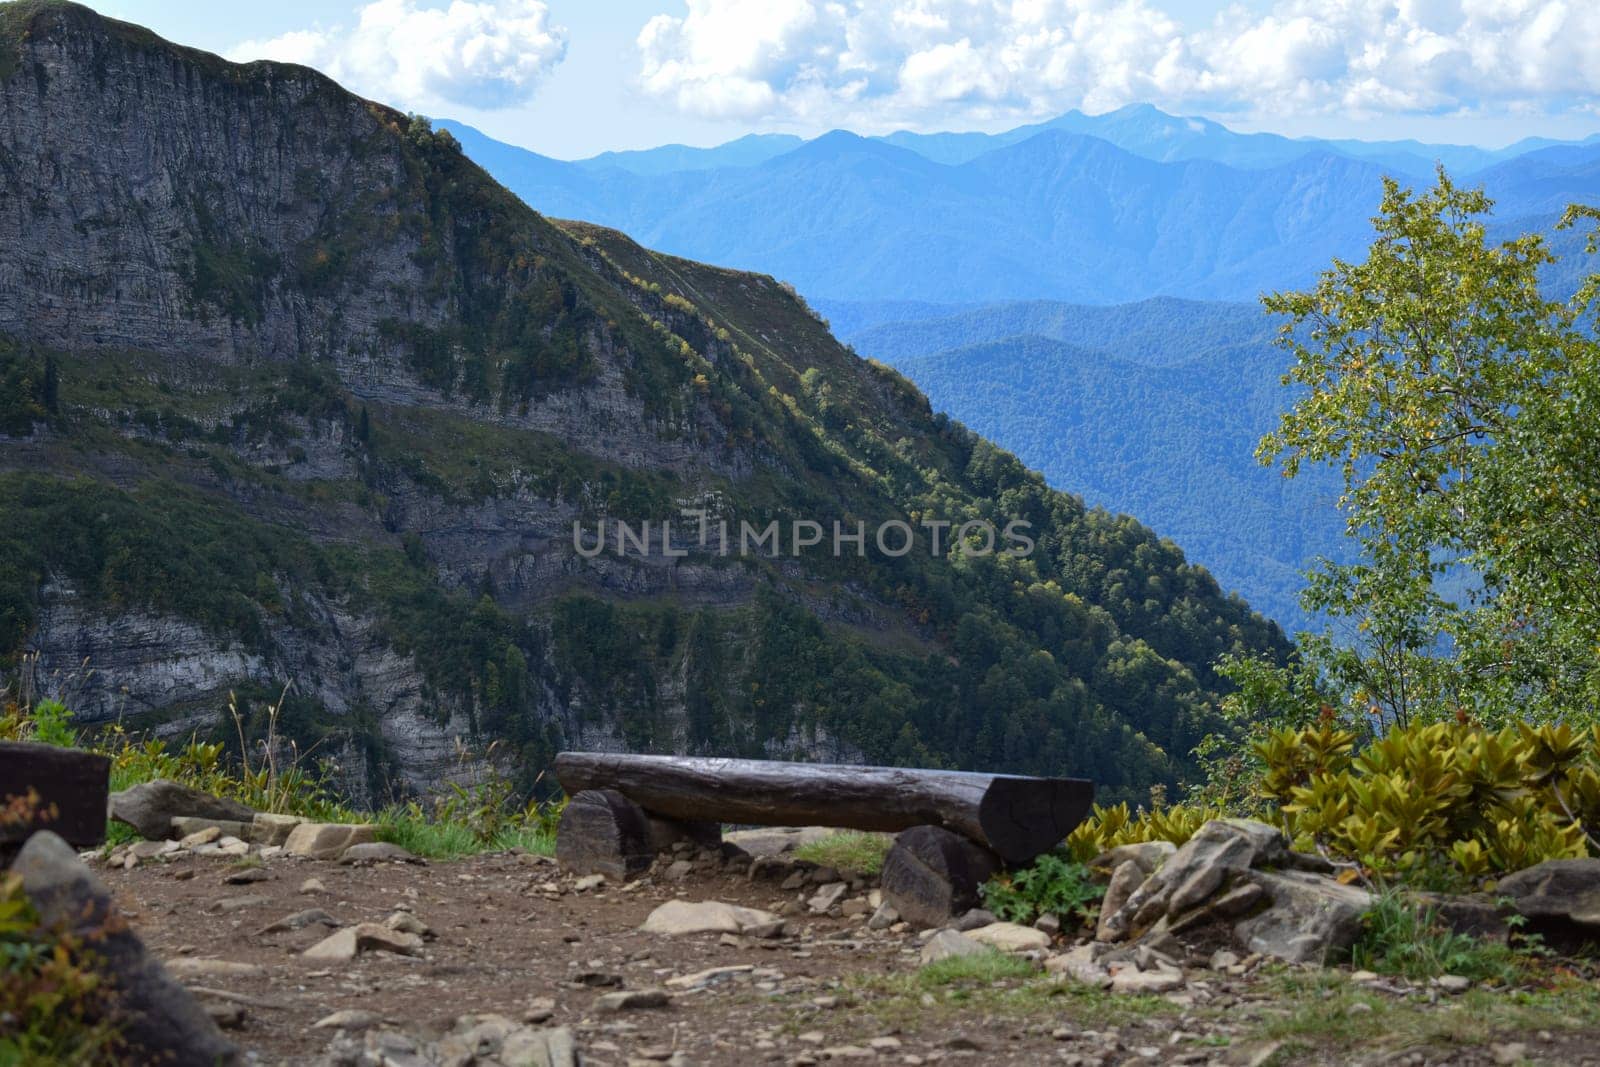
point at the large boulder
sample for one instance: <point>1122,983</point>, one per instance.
<point>1560,898</point>
<point>150,807</point>
<point>161,1022</point>
<point>1309,918</point>
<point>1208,861</point>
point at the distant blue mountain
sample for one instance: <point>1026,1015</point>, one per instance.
<point>1150,205</point>
<point>745,152</point>
<point>1083,290</point>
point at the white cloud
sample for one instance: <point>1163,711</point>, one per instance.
<point>879,63</point>
<point>486,54</point>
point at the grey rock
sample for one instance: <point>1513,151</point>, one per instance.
<point>353,1019</point>
<point>299,921</point>
<point>1560,898</point>
<point>163,1022</point>
<point>1311,918</point>
<point>1126,877</point>
<point>192,830</point>
<point>679,917</point>
<point>1215,855</point>
<point>632,999</point>
<point>150,807</point>
<point>948,943</point>
<point>346,944</point>
<point>884,917</point>
<point>975,918</point>
<point>1148,856</point>
<point>378,852</point>
<point>326,841</point>
<point>828,896</point>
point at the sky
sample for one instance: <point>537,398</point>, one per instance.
<point>571,78</point>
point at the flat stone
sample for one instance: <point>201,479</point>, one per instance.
<point>947,943</point>
<point>349,942</point>
<point>193,967</point>
<point>884,917</point>
<point>827,897</point>
<point>710,977</point>
<point>299,921</point>
<point>1010,937</point>
<point>378,852</point>
<point>407,923</point>
<point>326,841</point>
<point>589,882</point>
<point>1079,964</point>
<point>353,1019</point>
<point>253,900</point>
<point>149,850</point>
<point>200,830</point>
<point>1132,980</point>
<point>973,918</point>
<point>632,999</point>
<point>203,836</point>
<point>247,876</point>
<point>1453,983</point>
<point>313,885</point>
<point>678,917</point>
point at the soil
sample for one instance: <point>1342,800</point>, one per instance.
<point>501,944</point>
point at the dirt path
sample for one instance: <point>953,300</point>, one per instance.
<point>829,989</point>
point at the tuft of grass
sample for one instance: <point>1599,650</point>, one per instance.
<point>1403,939</point>
<point>995,985</point>
<point>848,850</point>
<point>1328,1014</point>
<point>424,837</point>
<point>983,968</point>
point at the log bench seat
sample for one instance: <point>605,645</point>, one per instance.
<point>954,828</point>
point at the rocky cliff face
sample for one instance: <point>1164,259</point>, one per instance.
<point>300,395</point>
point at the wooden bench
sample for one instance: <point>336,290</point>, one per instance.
<point>67,788</point>
<point>954,828</point>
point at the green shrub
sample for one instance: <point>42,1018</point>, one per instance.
<point>1051,885</point>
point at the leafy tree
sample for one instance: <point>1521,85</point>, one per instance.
<point>1460,404</point>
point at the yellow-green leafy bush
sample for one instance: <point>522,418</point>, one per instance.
<point>1109,827</point>
<point>1441,794</point>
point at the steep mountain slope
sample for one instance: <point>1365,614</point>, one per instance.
<point>1170,438</point>
<point>294,392</point>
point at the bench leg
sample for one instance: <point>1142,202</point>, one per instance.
<point>932,875</point>
<point>603,832</point>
